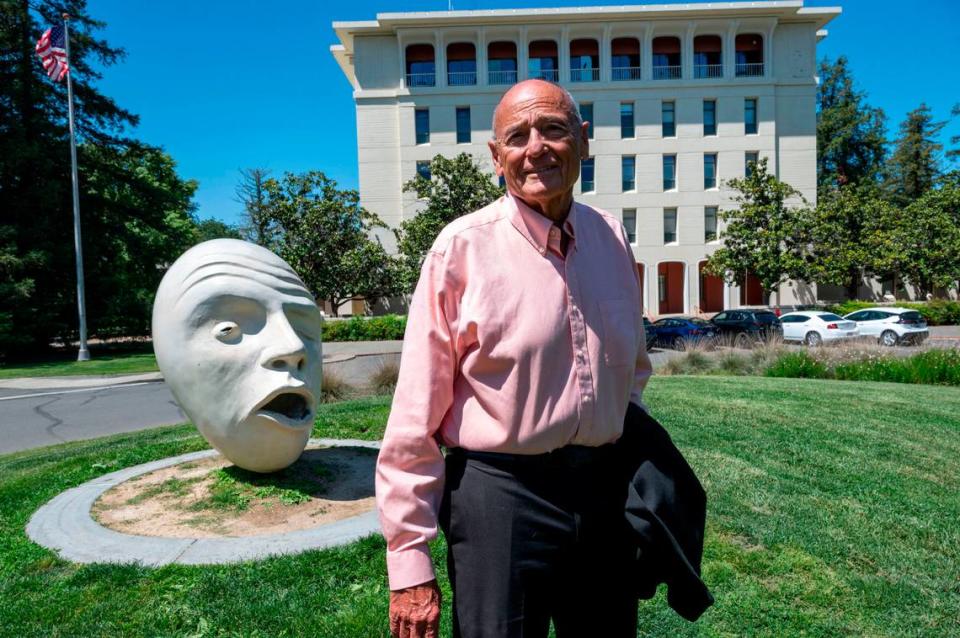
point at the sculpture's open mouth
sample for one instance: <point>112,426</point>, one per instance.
<point>294,409</point>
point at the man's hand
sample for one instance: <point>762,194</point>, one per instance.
<point>415,611</point>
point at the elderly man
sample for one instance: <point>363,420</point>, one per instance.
<point>524,346</point>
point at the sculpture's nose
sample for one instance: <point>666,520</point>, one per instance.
<point>286,350</point>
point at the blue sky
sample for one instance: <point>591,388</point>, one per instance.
<point>229,85</point>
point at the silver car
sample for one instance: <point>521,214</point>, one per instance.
<point>891,326</point>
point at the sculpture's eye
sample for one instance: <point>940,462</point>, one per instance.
<point>226,331</point>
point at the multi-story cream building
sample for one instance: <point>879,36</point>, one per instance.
<point>681,98</point>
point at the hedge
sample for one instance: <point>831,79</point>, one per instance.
<point>934,367</point>
<point>383,328</point>
<point>939,312</point>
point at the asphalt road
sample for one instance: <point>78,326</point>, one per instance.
<point>47,417</point>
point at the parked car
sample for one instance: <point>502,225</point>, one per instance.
<point>816,327</point>
<point>679,332</point>
<point>891,326</point>
<point>745,327</point>
<point>650,332</point>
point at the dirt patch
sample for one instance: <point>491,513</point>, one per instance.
<point>212,498</point>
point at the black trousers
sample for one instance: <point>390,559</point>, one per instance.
<point>536,538</point>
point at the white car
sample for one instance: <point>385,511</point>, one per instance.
<point>815,327</point>
<point>891,326</point>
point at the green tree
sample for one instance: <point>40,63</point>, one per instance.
<point>851,135</point>
<point>36,230</point>
<point>914,166</point>
<point>920,244</point>
<point>954,153</point>
<point>211,228</point>
<point>138,218</point>
<point>324,234</point>
<point>839,232</point>
<point>765,235</point>
<point>456,187</point>
<point>258,227</point>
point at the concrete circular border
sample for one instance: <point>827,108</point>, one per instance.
<point>66,526</point>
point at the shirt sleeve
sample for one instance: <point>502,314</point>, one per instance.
<point>410,467</point>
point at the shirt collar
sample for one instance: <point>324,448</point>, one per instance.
<point>536,227</point>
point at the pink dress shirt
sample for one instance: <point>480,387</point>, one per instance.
<point>510,347</point>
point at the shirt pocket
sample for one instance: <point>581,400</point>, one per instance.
<point>619,320</point>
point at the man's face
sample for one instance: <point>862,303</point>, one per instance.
<point>538,146</point>
<point>238,341</point>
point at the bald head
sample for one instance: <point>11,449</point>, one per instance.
<point>534,91</point>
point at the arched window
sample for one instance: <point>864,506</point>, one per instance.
<point>666,58</point>
<point>421,65</point>
<point>749,48</point>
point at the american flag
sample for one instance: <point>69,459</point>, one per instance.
<point>52,52</point>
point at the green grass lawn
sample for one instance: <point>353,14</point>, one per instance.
<point>113,362</point>
<point>833,511</point>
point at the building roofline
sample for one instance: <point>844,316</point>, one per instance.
<point>390,23</point>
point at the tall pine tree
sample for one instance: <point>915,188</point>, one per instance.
<point>915,164</point>
<point>37,286</point>
<point>851,134</point>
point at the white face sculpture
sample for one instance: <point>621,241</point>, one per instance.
<point>237,337</point>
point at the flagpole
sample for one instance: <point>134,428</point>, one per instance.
<point>84,353</point>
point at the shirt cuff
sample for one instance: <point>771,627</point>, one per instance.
<point>409,567</point>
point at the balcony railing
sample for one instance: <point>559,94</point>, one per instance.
<point>666,73</point>
<point>550,75</point>
<point>421,79</point>
<point>502,77</point>
<point>461,78</point>
<point>626,73</point>
<point>708,71</point>
<point>584,75</point>
<point>751,70</point>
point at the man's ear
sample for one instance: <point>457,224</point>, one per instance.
<point>585,140</point>
<point>492,145</point>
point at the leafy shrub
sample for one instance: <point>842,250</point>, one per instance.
<point>798,365</point>
<point>384,328</point>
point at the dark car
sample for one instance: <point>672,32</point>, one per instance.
<point>650,331</point>
<point>679,332</point>
<point>745,328</point>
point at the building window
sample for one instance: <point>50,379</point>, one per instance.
<point>710,224</point>
<point>625,59</point>
<point>749,159</point>
<point>461,64</point>
<point>586,175</point>
<point>630,224</point>
<point>421,67</point>
<point>668,119</point>
<point>628,166</point>
<point>669,172</point>
<point>667,63</point>
<point>423,168</point>
<point>709,117</point>
<point>710,170</point>
<point>422,119</point>
<point>627,128</point>
<point>584,60</point>
<point>669,225</point>
<point>750,116</point>
<point>543,61</point>
<point>501,63</point>
<point>463,125</point>
<point>586,114</point>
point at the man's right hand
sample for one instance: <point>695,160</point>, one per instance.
<point>415,611</point>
